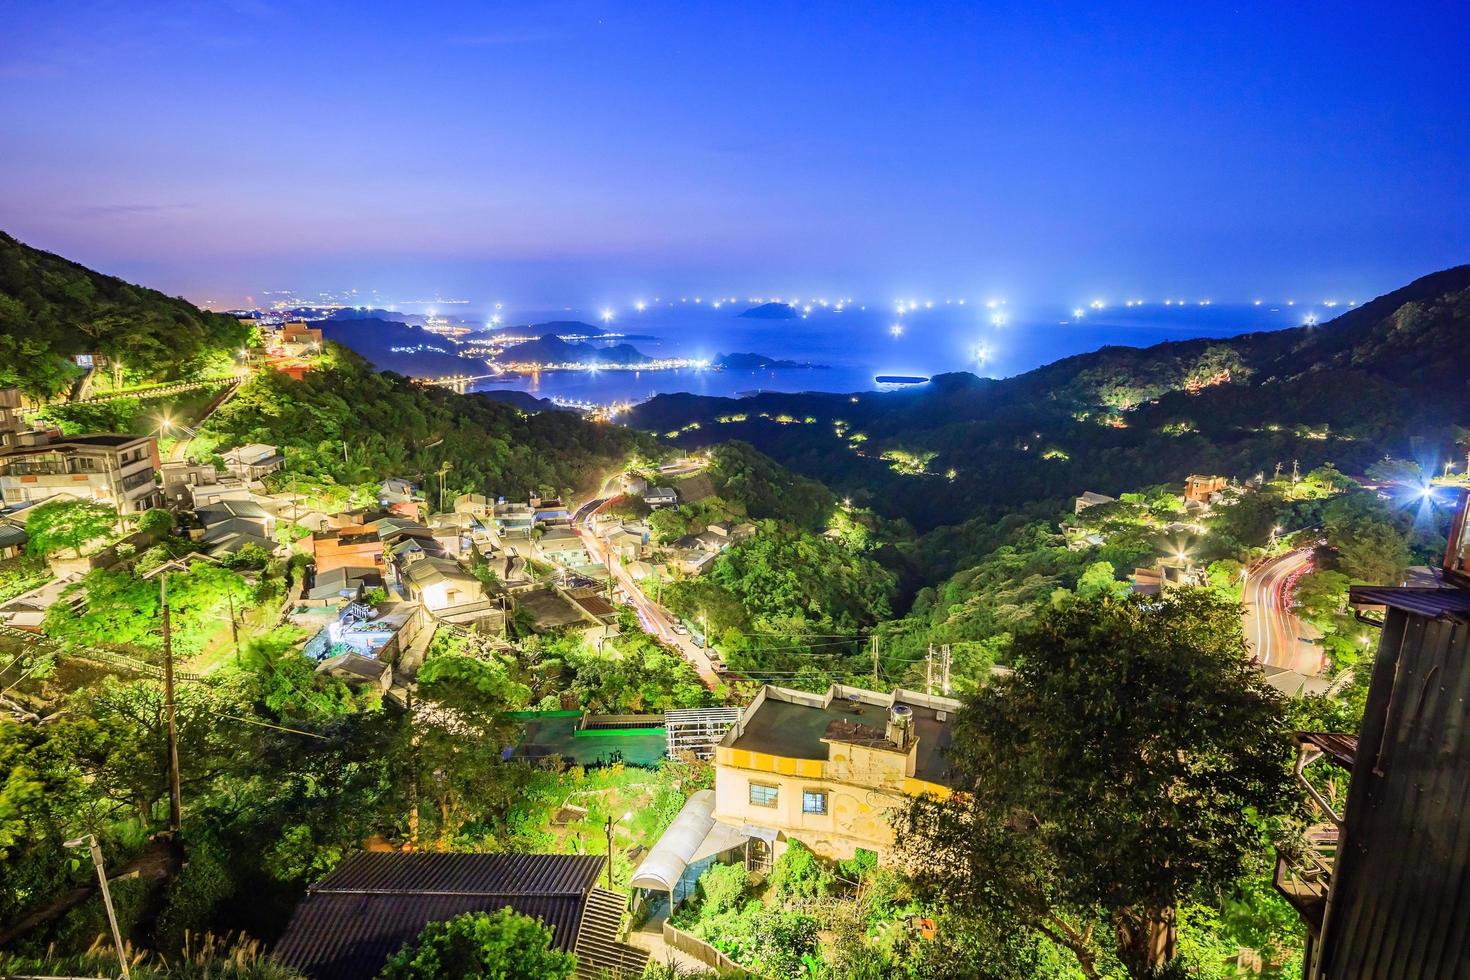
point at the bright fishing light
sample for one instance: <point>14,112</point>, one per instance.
<point>1258,302</point>
<point>1310,319</point>
<point>1078,312</point>
<point>896,330</point>
<point>991,304</point>
<point>607,316</point>
<point>982,353</point>
<point>998,319</point>
<point>640,306</point>
<point>1096,304</point>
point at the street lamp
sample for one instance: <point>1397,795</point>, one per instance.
<point>623,819</point>
<point>90,842</point>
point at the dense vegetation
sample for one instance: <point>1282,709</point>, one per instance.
<point>52,310</point>
<point>1120,418</point>
<point>344,424</point>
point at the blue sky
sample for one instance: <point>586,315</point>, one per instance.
<point>579,153</point>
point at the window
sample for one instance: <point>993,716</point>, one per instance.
<point>762,795</point>
<point>813,801</point>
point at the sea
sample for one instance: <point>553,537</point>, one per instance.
<point>848,348</point>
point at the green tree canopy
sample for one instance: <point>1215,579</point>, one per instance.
<point>68,522</point>
<point>1123,768</point>
<point>503,945</point>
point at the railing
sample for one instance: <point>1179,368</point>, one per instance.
<point>701,950</point>
<point>1304,874</point>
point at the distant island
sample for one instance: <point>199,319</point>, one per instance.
<point>552,349</point>
<point>565,329</point>
<point>391,345</point>
<point>771,311</point>
<point>757,362</point>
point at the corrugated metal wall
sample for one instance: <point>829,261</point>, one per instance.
<point>1400,904</point>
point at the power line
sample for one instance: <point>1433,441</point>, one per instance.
<point>266,724</point>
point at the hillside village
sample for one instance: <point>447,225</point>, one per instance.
<point>655,701</point>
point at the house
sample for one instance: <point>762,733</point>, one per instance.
<point>11,423</point>
<point>626,541</point>
<point>441,584</point>
<point>513,518</point>
<point>358,670</point>
<point>229,525</point>
<point>1380,880</point>
<point>352,920</point>
<point>474,504</point>
<point>550,509</point>
<point>1090,499</point>
<point>694,561</point>
<point>457,533</point>
<point>205,494</point>
<point>549,609</point>
<point>510,571</point>
<point>399,497</point>
<point>1168,574</point>
<point>1201,489</point>
<point>830,770</point>
<point>356,545</point>
<point>226,517</point>
<point>342,583</point>
<point>658,497</point>
<point>253,462</point>
<point>563,546</point>
<point>742,531</point>
<point>13,539</point>
<point>179,479</point>
<point>118,470</point>
<point>298,338</point>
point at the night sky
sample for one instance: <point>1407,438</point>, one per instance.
<point>584,153</point>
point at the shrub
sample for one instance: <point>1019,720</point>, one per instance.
<point>723,887</point>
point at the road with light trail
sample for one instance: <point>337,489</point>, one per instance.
<point>1276,635</point>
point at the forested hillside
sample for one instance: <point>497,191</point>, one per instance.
<point>345,424</point>
<point>52,309</point>
<point>962,447</point>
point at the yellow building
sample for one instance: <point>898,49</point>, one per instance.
<point>829,770</point>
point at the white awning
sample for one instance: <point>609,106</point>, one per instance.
<point>693,836</point>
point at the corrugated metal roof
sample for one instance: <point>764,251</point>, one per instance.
<point>1400,899</point>
<point>464,874</point>
<point>599,954</point>
<point>364,911</point>
<point>337,936</point>
<point>1340,748</point>
<point>1434,603</point>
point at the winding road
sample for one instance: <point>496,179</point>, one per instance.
<point>1276,635</point>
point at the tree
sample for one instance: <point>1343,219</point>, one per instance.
<point>157,522</point>
<point>503,945</point>
<point>1122,768</point>
<point>68,522</point>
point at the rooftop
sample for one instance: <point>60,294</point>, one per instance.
<point>355,918</point>
<point>794,723</point>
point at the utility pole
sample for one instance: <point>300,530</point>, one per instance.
<point>90,842</point>
<point>234,627</point>
<point>944,683</point>
<point>875,660</point>
<point>610,886</point>
<point>175,801</point>
<point>929,671</point>
<point>1296,472</point>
